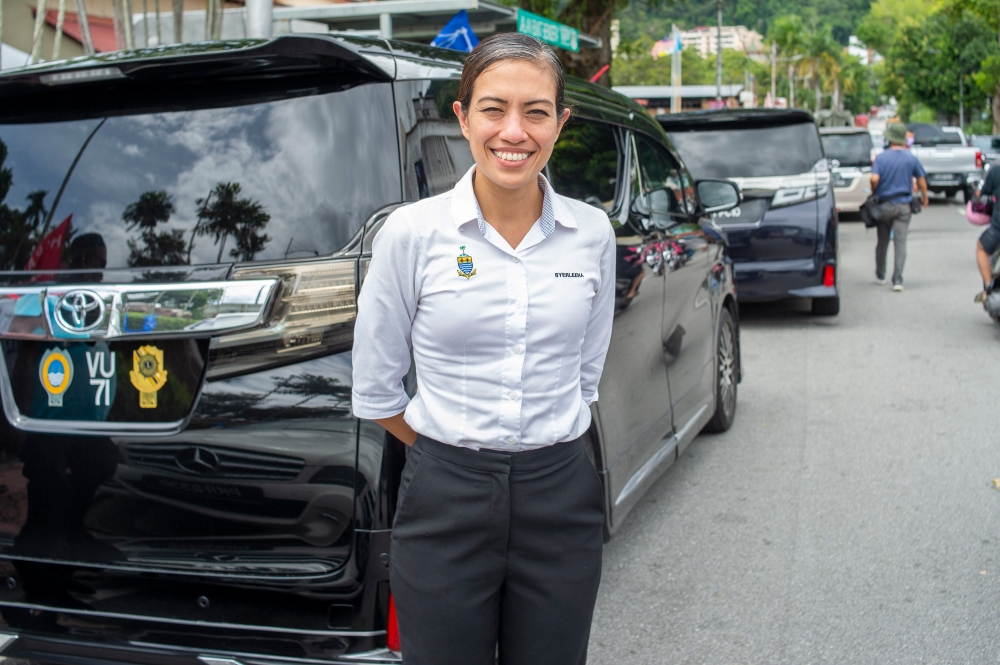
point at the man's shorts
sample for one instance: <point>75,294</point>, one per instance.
<point>990,240</point>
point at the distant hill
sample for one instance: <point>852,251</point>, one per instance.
<point>840,15</point>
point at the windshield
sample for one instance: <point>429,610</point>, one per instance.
<point>930,135</point>
<point>749,153</point>
<point>848,149</point>
<point>290,178</point>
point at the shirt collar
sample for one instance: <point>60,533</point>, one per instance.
<point>465,206</point>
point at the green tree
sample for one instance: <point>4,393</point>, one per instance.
<point>165,248</point>
<point>222,214</point>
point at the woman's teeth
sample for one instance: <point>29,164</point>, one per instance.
<point>512,156</point>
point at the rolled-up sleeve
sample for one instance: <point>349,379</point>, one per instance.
<point>386,307</point>
<point>597,336</point>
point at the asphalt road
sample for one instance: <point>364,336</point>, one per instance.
<point>849,514</point>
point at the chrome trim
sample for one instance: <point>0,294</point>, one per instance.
<point>248,301</point>
<point>191,622</point>
<point>255,658</point>
<point>6,639</point>
<point>213,660</point>
<point>647,469</point>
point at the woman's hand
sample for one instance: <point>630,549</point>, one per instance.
<point>399,428</point>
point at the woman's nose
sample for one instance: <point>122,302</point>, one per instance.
<point>513,128</point>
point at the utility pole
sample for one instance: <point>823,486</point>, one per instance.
<point>791,86</point>
<point>774,71</point>
<point>718,51</point>
<point>675,72</point>
<point>259,13</point>
<point>961,103</point>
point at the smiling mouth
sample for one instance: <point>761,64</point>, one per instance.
<point>507,156</point>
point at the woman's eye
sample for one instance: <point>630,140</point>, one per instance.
<point>539,113</point>
<point>491,109</point>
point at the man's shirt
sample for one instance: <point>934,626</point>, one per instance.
<point>896,170</point>
<point>509,344</point>
<point>991,187</point>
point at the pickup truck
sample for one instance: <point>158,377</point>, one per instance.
<point>951,166</point>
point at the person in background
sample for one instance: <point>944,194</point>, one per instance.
<point>893,173</point>
<point>989,241</point>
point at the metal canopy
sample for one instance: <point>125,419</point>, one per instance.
<point>416,20</point>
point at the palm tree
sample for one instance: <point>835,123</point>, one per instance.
<point>221,214</point>
<point>159,249</point>
<point>823,55</point>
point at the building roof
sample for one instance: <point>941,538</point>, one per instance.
<point>102,30</point>
<point>667,91</point>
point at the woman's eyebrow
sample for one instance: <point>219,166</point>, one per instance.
<point>491,99</point>
<point>539,101</point>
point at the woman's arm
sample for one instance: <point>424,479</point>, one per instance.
<point>597,337</point>
<point>386,307</point>
<point>399,428</point>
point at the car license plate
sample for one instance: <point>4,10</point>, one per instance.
<point>946,179</point>
<point>151,381</point>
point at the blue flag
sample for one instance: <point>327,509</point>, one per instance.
<point>457,34</point>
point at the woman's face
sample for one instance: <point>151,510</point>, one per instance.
<point>512,122</point>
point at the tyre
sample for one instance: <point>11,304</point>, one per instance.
<point>726,374</point>
<point>826,306</point>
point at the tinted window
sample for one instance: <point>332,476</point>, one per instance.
<point>283,179</point>
<point>848,149</point>
<point>584,163</point>
<point>435,154</point>
<point>660,195</point>
<point>924,134</point>
<point>748,153</point>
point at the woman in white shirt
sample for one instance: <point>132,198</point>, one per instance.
<point>504,292</point>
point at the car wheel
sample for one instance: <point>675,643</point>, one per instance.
<point>726,374</point>
<point>826,306</point>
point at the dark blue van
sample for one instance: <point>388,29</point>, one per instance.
<point>783,237</point>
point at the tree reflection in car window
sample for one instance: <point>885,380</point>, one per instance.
<point>291,178</point>
<point>584,163</point>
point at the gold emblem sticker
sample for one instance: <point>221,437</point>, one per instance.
<point>56,373</point>
<point>147,374</point>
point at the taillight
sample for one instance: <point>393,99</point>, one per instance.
<point>392,628</point>
<point>979,159</point>
<point>313,314</point>
<point>829,276</point>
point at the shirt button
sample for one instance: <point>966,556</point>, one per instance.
<point>511,441</point>
<point>518,304</point>
<point>515,259</point>
<point>516,350</point>
<point>512,395</point>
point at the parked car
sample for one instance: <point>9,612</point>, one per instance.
<point>850,151</point>
<point>181,476</point>
<point>989,146</point>
<point>950,165</point>
<point>783,237</point>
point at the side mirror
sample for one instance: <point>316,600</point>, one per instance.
<point>718,195</point>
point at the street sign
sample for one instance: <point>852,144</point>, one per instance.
<point>548,31</point>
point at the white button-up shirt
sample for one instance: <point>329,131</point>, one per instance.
<point>509,344</point>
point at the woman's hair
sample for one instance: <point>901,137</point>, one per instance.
<point>503,46</point>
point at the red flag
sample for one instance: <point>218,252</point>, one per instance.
<point>48,253</point>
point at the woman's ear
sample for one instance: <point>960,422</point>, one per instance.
<point>463,120</point>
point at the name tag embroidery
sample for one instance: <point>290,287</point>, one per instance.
<point>569,274</point>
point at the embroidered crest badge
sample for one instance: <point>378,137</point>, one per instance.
<point>56,373</point>
<point>465,267</point>
<point>147,374</point>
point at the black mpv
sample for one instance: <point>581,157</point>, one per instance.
<point>183,234</point>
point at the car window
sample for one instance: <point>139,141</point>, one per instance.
<point>848,149</point>
<point>435,154</point>
<point>584,163</point>
<point>659,197</point>
<point>279,179</point>
<point>749,152</point>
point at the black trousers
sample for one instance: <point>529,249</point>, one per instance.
<point>496,549</point>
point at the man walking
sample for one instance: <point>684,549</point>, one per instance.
<point>892,182</point>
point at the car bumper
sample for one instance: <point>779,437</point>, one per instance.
<point>36,650</point>
<point>774,280</point>
<point>938,182</point>
<point>852,197</point>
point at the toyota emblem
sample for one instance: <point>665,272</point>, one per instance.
<point>79,311</point>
